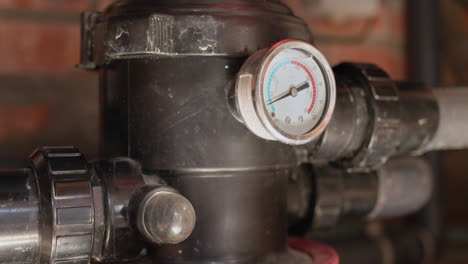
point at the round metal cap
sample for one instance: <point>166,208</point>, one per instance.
<point>166,217</point>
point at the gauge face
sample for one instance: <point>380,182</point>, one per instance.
<point>294,92</point>
<point>286,93</point>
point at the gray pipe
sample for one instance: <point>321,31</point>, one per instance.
<point>398,188</point>
<point>404,186</point>
<point>452,131</point>
<point>19,217</point>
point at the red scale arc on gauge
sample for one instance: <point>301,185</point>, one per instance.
<point>314,89</point>
<point>303,67</point>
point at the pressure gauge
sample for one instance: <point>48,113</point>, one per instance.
<point>286,93</point>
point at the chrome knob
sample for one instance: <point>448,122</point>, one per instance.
<point>165,216</point>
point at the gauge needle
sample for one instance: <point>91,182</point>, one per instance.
<point>291,92</point>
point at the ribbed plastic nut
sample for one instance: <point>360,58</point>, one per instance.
<point>67,207</point>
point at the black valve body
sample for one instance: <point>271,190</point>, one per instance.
<point>168,108</point>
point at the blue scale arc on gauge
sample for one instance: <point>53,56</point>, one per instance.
<point>303,67</point>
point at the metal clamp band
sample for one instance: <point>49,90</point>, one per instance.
<point>67,208</point>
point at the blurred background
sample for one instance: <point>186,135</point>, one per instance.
<point>45,100</point>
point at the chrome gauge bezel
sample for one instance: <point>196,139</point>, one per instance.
<point>250,95</point>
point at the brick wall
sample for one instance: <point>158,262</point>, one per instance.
<point>377,37</point>
<point>44,99</point>
<point>41,37</point>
